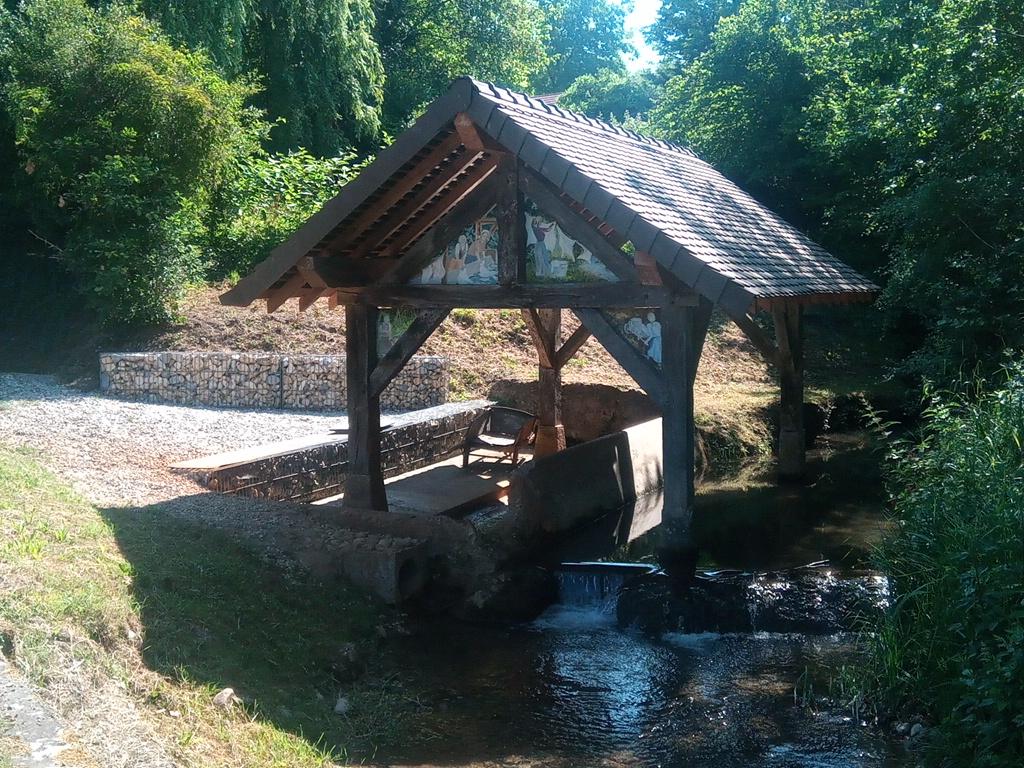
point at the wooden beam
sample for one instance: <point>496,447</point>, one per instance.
<point>415,225</point>
<point>632,361</point>
<point>404,348</point>
<point>442,153</point>
<point>550,430</point>
<point>574,225</point>
<point>511,226</point>
<point>468,134</point>
<point>444,231</point>
<point>537,295</point>
<point>677,437</point>
<point>290,289</point>
<point>364,480</point>
<point>571,346</point>
<point>543,341</point>
<point>757,337</point>
<point>419,204</point>
<point>701,321</point>
<point>344,270</point>
<point>792,439</point>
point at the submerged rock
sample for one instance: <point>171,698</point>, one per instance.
<point>806,601</point>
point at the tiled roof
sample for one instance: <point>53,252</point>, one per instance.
<point>668,201</point>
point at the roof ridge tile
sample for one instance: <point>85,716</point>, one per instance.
<point>521,99</point>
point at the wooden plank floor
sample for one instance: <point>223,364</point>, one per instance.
<point>445,488</point>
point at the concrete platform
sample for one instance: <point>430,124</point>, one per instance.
<point>445,488</point>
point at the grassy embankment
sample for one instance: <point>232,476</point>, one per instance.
<point>951,648</point>
<point>170,613</point>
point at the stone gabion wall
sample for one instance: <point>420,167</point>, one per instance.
<point>258,380</point>
<point>318,471</point>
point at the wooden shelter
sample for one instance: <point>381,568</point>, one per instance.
<point>494,199</point>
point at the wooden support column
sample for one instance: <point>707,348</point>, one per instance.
<point>364,481</point>
<point>546,328</point>
<point>792,440</point>
<point>677,333</point>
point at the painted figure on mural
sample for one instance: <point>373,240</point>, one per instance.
<point>646,334</point>
<point>542,254</point>
<point>471,259</point>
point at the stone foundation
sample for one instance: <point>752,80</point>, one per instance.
<point>318,471</point>
<point>261,380</point>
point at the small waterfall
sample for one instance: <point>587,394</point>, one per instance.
<point>588,595</point>
<point>589,589</point>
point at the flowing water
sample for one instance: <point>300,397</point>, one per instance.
<point>583,686</point>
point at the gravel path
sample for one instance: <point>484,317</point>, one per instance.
<point>116,452</point>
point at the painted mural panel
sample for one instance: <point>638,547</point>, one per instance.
<point>553,256</point>
<point>472,259</point>
<point>641,328</point>
<point>391,324</point>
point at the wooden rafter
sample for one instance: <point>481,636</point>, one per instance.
<point>441,154</point>
<point>291,287</point>
<point>435,239</point>
<point>425,217</point>
<point>428,195</point>
<point>404,348</point>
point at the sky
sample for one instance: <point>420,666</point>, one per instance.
<point>643,14</point>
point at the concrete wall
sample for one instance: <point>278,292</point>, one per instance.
<point>259,380</point>
<point>558,492</point>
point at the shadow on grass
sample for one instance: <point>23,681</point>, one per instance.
<point>215,613</point>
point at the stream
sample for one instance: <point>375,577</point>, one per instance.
<point>734,678</point>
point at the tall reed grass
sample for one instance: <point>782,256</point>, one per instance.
<point>952,645</point>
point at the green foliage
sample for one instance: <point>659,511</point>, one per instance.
<point>741,103</point>
<point>264,200</point>
<point>683,28</point>
<point>586,36</point>
<point>316,60</point>
<point>891,130</point>
<point>121,139</point>
<point>611,95</point>
<point>924,103</point>
<point>952,644</point>
<point>425,44</point>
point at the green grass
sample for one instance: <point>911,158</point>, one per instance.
<point>951,647</point>
<point>177,611</point>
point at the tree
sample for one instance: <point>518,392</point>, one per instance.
<point>426,44</point>
<point>611,95</point>
<point>121,140</point>
<point>586,36</point>
<point>683,29</point>
<point>923,101</point>
<point>741,103</point>
<point>317,61</point>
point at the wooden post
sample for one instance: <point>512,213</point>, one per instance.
<point>364,481</point>
<point>511,226</point>
<point>677,413</point>
<point>792,440</point>
<point>546,328</point>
